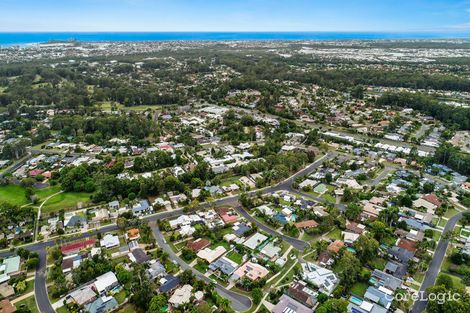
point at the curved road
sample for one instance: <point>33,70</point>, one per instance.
<point>296,243</point>
<point>238,301</point>
<point>435,265</point>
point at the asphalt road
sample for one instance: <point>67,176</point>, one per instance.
<point>40,290</point>
<point>435,265</point>
<point>374,182</point>
<point>296,243</point>
<point>238,302</point>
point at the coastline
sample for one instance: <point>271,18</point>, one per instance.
<point>25,39</point>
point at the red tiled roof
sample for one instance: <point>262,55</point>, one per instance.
<point>306,224</point>
<point>77,246</point>
<point>354,227</point>
<point>36,172</point>
<point>226,217</point>
<point>433,199</point>
<point>335,246</point>
<point>198,244</point>
<point>7,307</point>
<point>407,244</point>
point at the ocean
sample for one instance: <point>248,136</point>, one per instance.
<point>22,38</point>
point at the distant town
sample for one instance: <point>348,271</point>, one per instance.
<point>235,176</point>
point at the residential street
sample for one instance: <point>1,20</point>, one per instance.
<point>238,301</point>
<point>435,265</point>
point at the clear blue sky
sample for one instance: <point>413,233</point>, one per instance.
<point>234,15</point>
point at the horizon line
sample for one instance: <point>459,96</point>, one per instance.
<point>467,31</point>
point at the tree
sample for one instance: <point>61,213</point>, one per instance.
<point>32,263</point>
<point>20,286</point>
<point>436,305</point>
<point>353,211</point>
<point>366,247</point>
<point>157,303</point>
<point>379,230</point>
<point>350,268</point>
<point>257,295</point>
<point>333,306</point>
<point>445,280</point>
<point>187,277</point>
<point>328,177</point>
<point>203,308</point>
<point>428,187</point>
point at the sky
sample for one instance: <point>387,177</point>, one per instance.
<point>234,15</point>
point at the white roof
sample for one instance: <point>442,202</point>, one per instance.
<point>210,255</point>
<point>105,281</point>
<point>109,241</point>
<point>181,295</point>
<point>255,241</point>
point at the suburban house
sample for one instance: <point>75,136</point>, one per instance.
<point>77,246</point>
<point>105,282</point>
<point>252,271</point>
<point>181,296</point>
<point>109,241</point>
<point>288,305</point>
<point>210,255</point>
<point>324,279</point>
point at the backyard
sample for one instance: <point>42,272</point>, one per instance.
<point>66,200</point>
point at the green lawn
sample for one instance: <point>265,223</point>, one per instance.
<point>442,222</point>
<point>128,308</point>
<point>308,237</point>
<point>225,244</point>
<point>66,200</point>
<point>13,194</point>
<point>457,281</point>
<point>42,194</point>
<point>120,296</point>
<point>450,212</point>
<point>235,257</point>
<point>29,303</point>
<point>418,277</point>
<point>229,180</point>
<point>359,289</point>
<point>201,267</point>
<point>377,263</point>
<point>329,198</point>
<point>335,234</point>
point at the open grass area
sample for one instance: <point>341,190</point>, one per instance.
<point>377,263</point>
<point>120,296</point>
<point>359,289</point>
<point>335,234</point>
<point>66,200</point>
<point>235,257</point>
<point>450,212</point>
<point>442,222</point>
<point>16,194</point>
<point>128,308</point>
<point>457,282</point>
<point>29,303</point>
<point>13,194</point>
<point>309,238</point>
<point>225,244</point>
<point>229,180</point>
<point>419,277</point>
<point>329,198</point>
<point>201,267</point>
<point>42,194</point>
